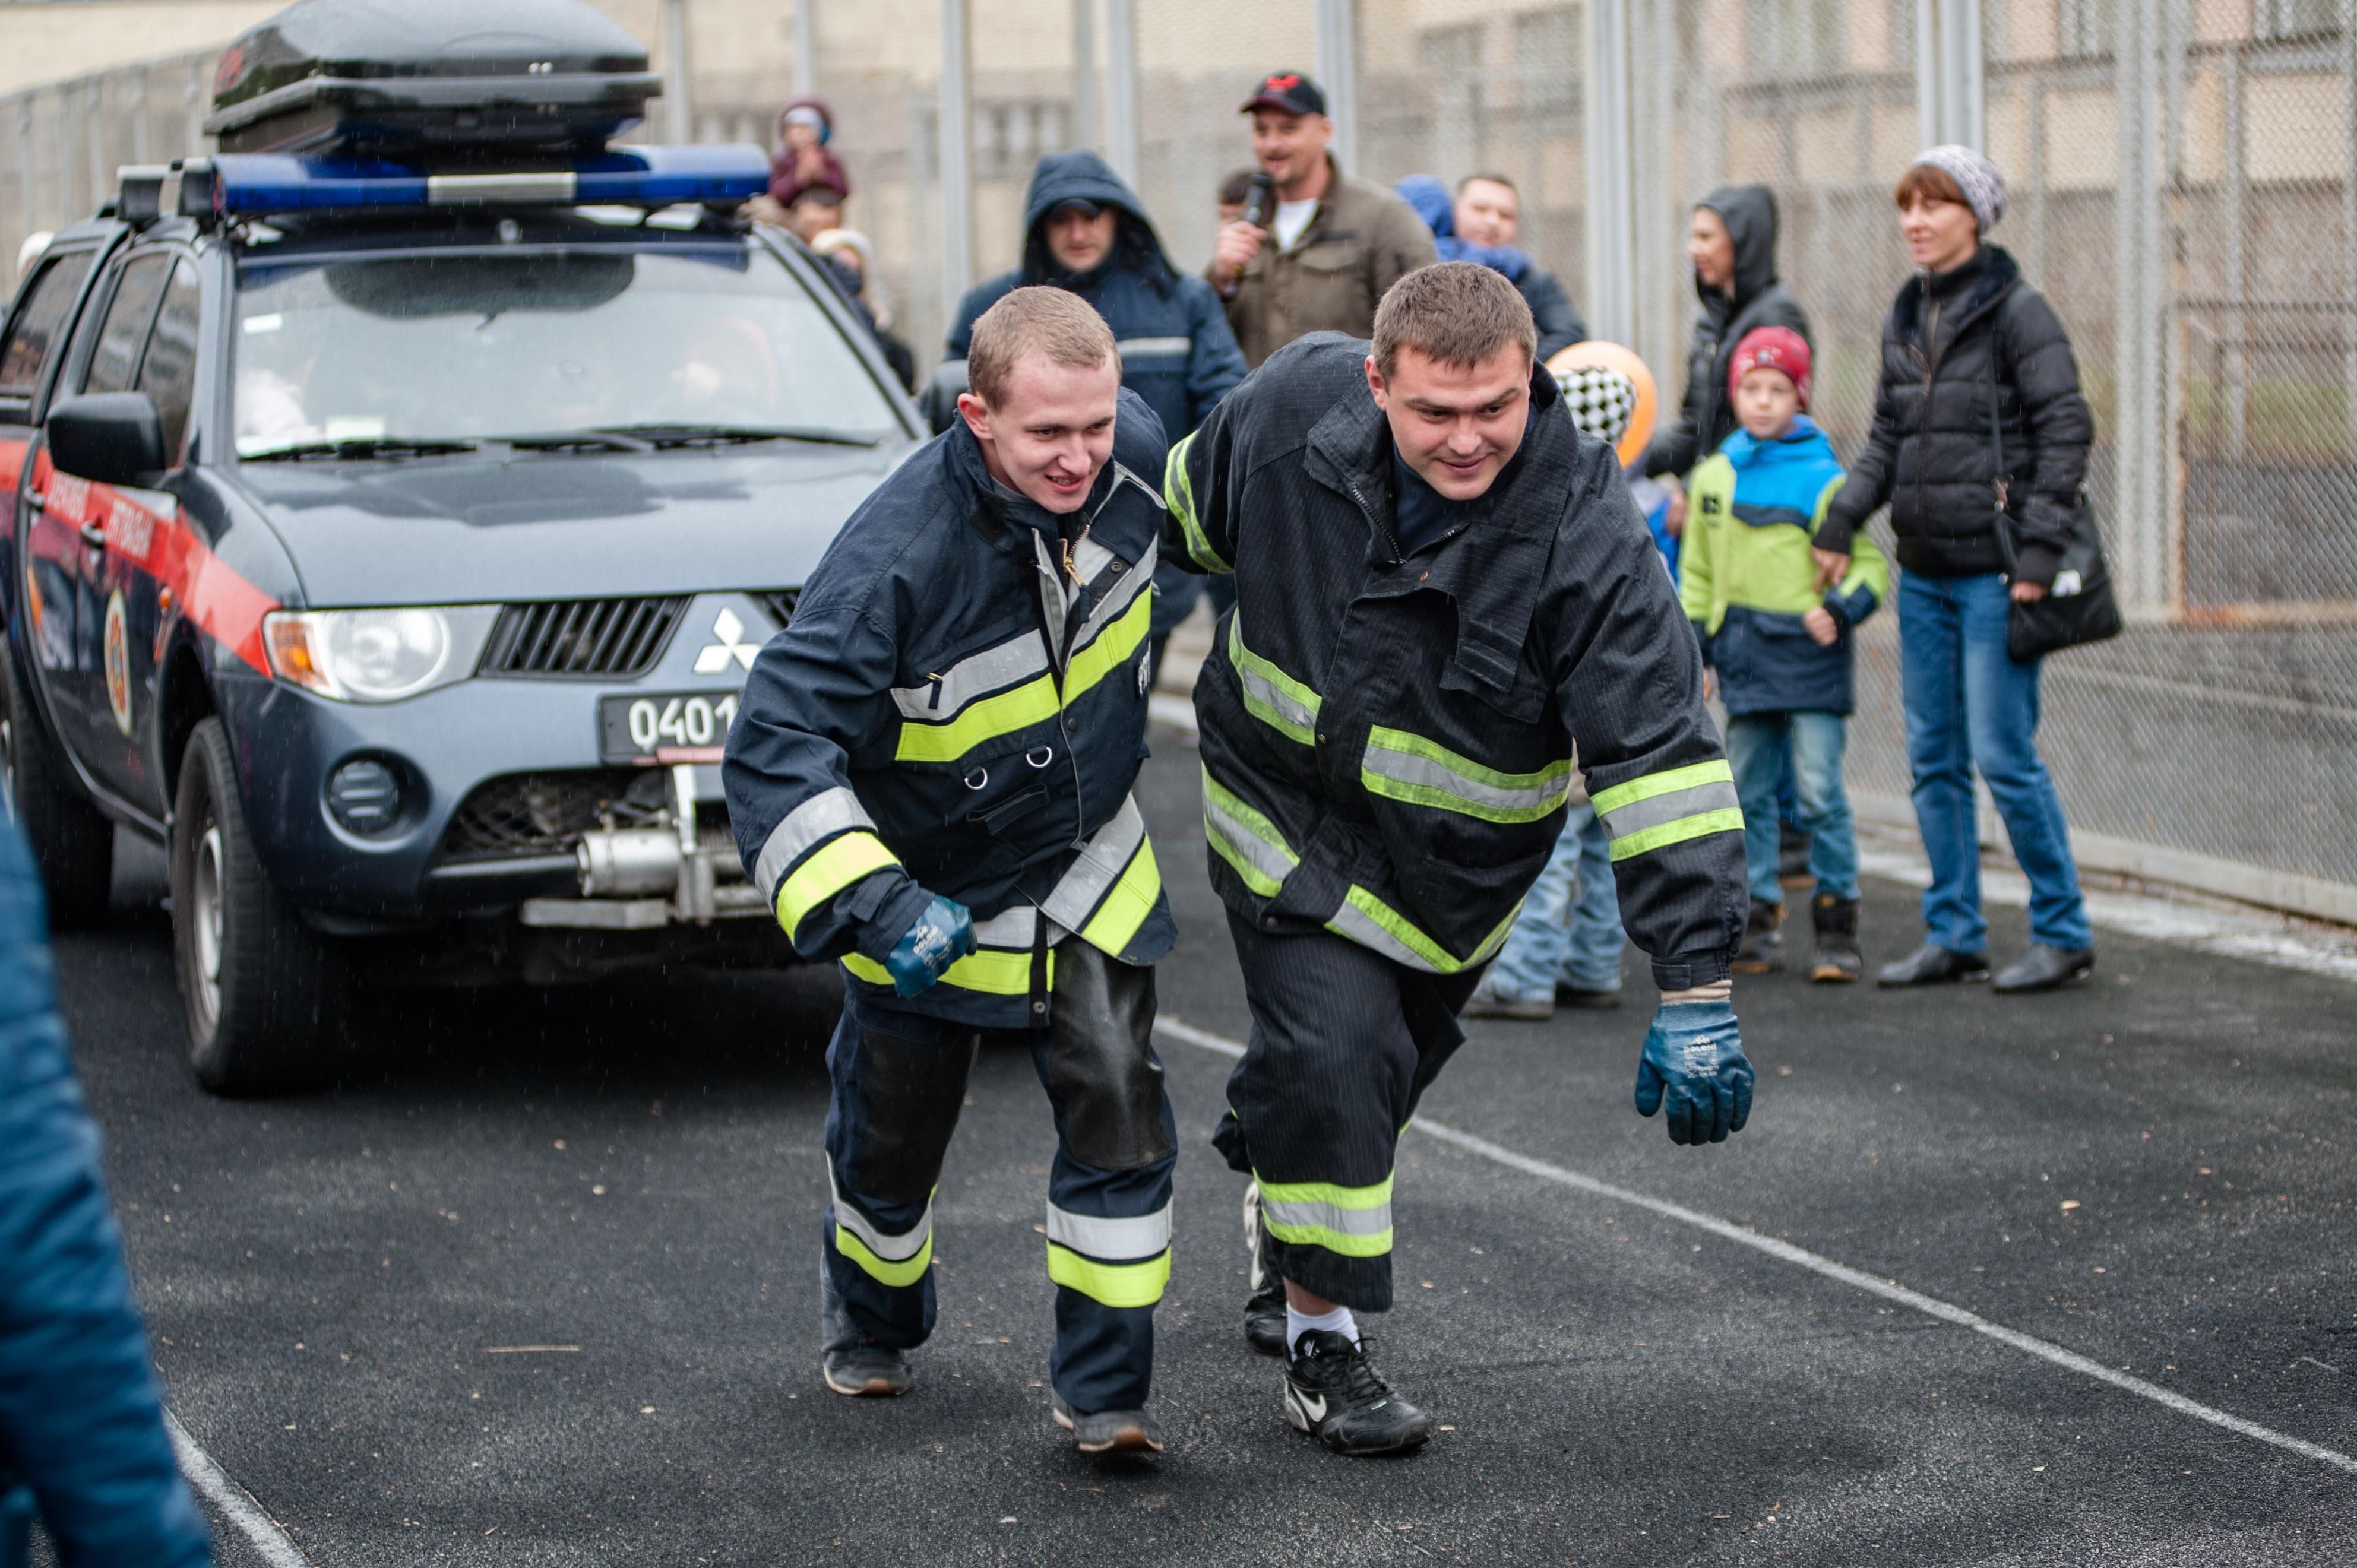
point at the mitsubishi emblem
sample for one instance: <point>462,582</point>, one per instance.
<point>714,657</point>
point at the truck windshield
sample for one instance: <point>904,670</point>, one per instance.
<point>459,347</point>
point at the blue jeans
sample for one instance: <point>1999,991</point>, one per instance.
<point>1968,703</point>
<point>1570,929</point>
<point>1757,747</point>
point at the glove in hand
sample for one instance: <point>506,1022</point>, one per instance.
<point>1693,1055</point>
<point>941,936</point>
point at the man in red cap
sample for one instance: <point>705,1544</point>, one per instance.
<point>1324,246</point>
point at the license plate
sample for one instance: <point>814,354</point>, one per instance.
<point>666,728</point>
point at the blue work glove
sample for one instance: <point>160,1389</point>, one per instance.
<point>1695,1052</point>
<point>941,936</point>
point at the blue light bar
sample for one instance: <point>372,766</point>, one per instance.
<point>256,183</point>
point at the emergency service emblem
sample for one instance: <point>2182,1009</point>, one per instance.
<point>118,661</point>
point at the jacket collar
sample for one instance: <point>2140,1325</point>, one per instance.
<point>1743,449</point>
<point>1997,275</point>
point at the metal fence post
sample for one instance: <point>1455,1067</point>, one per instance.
<point>679,123</point>
<point>805,47</point>
<point>2140,530</point>
<point>2347,20</point>
<point>1612,264</point>
<point>1337,73</point>
<point>1119,86</point>
<point>1949,103</point>
<point>954,134</point>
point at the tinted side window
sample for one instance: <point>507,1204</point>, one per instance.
<point>169,372</point>
<point>41,322</point>
<point>125,332</point>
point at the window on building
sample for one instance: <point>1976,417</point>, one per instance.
<point>2086,28</point>
<point>2296,18</point>
<point>1794,38</point>
<point>1547,62</point>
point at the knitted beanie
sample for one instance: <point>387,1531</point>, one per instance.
<point>1984,187</point>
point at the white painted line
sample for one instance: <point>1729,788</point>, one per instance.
<point>232,1499</point>
<point>1786,1252</point>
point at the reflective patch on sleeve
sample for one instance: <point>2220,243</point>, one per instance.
<point>1669,807</point>
<point>1179,496</point>
<point>834,868</point>
<point>816,819</point>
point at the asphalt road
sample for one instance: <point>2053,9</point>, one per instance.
<point>536,1284</point>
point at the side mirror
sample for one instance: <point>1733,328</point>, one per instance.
<point>113,438</point>
<point>938,402</point>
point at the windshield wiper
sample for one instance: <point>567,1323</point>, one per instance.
<point>575,441</point>
<point>659,434</point>
<point>364,448</point>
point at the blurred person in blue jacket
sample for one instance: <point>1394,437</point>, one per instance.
<point>82,1442</point>
<point>1086,231</point>
<point>1481,224</point>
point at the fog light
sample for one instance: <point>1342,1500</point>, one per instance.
<point>365,796</point>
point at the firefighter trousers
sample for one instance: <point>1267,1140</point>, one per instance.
<point>1344,1043</point>
<point>900,1081</point>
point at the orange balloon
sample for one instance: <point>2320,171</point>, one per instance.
<point>1597,354</point>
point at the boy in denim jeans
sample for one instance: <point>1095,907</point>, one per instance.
<point>1780,650</point>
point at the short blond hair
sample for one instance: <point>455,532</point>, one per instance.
<point>1458,313</point>
<point>1040,321</point>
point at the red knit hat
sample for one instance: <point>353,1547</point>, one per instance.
<point>1777,348</point>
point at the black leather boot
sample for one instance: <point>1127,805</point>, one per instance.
<point>1763,945</point>
<point>1932,964</point>
<point>1838,961</point>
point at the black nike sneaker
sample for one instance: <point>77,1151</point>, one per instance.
<point>1333,1394</point>
<point>1264,1308</point>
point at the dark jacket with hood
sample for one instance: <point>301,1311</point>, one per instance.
<point>81,1416</point>
<point>1707,415</point>
<point>1177,351</point>
<point>1388,743</point>
<point>1952,340</point>
<point>959,708</point>
<point>1557,318</point>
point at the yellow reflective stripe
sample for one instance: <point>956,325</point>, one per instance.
<point>883,1270</point>
<point>1271,695</point>
<point>835,867</point>
<point>1652,784</point>
<point>996,971</point>
<point>1111,649</point>
<point>983,719</point>
<point>1128,905</point>
<point>1114,1284</point>
<point>1372,923</point>
<point>1178,495</point>
<point>1245,839</point>
<point>1727,820</point>
<point>1352,1221</point>
<point>1402,766</point>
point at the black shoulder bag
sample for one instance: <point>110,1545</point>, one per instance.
<point>2088,612</point>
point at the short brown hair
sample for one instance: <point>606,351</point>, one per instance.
<point>1039,320</point>
<point>1927,182</point>
<point>1488,178</point>
<point>1458,312</point>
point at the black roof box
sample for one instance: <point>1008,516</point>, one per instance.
<point>379,74</point>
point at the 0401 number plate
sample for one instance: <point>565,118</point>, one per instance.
<point>665,726</point>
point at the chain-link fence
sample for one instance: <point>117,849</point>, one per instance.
<point>2182,190</point>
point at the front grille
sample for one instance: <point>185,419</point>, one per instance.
<point>546,814</point>
<point>582,639</point>
<point>778,604</point>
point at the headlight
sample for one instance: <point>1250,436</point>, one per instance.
<point>376,656</point>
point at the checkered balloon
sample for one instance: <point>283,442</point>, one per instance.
<point>1600,399</point>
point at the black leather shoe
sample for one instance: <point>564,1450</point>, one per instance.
<point>2044,968</point>
<point>1932,964</point>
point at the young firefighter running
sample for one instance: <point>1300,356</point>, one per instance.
<point>1781,645</point>
<point>929,779</point>
<point>1442,587</point>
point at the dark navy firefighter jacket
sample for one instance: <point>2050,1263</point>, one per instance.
<point>955,710</point>
<point>1388,744</point>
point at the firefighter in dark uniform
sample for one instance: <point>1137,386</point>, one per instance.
<point>930,779</point>
<point>1444,596</point>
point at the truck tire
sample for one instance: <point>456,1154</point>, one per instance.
<point>266,995</point>
<point>73,844</point>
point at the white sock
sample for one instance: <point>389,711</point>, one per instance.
<point>1339,1321</point>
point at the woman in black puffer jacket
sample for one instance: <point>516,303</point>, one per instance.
<point>1967,330</point>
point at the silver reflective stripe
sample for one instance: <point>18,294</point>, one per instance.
<point>1251,848</point>
<point>1355,923</point>
<point>1259,688</point>
<point>1110,1240</point>
<point>1408,768</point>
<point>1654,810</point>
<point>1012,929</point>
<point>1089,558</point>
<point>1118,598</point>
<point>1145,348</point>
<point>891,1249</point>
<point>1327,1217</point>
<point>1102,859</point>
<point>992,669</point>
<point>816,819</point>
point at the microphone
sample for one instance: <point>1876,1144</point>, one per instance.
<point>1258,199</point>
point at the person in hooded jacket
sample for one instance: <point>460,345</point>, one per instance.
<point>1085,230</point>
<point>1970,350</point>
<point>1499,207</point>
<point>1732,244</point>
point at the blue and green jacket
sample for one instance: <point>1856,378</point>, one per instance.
<point>1747,578</point>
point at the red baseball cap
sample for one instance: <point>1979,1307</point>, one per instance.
<point>1288,93</point>
<point>1776,348</point>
